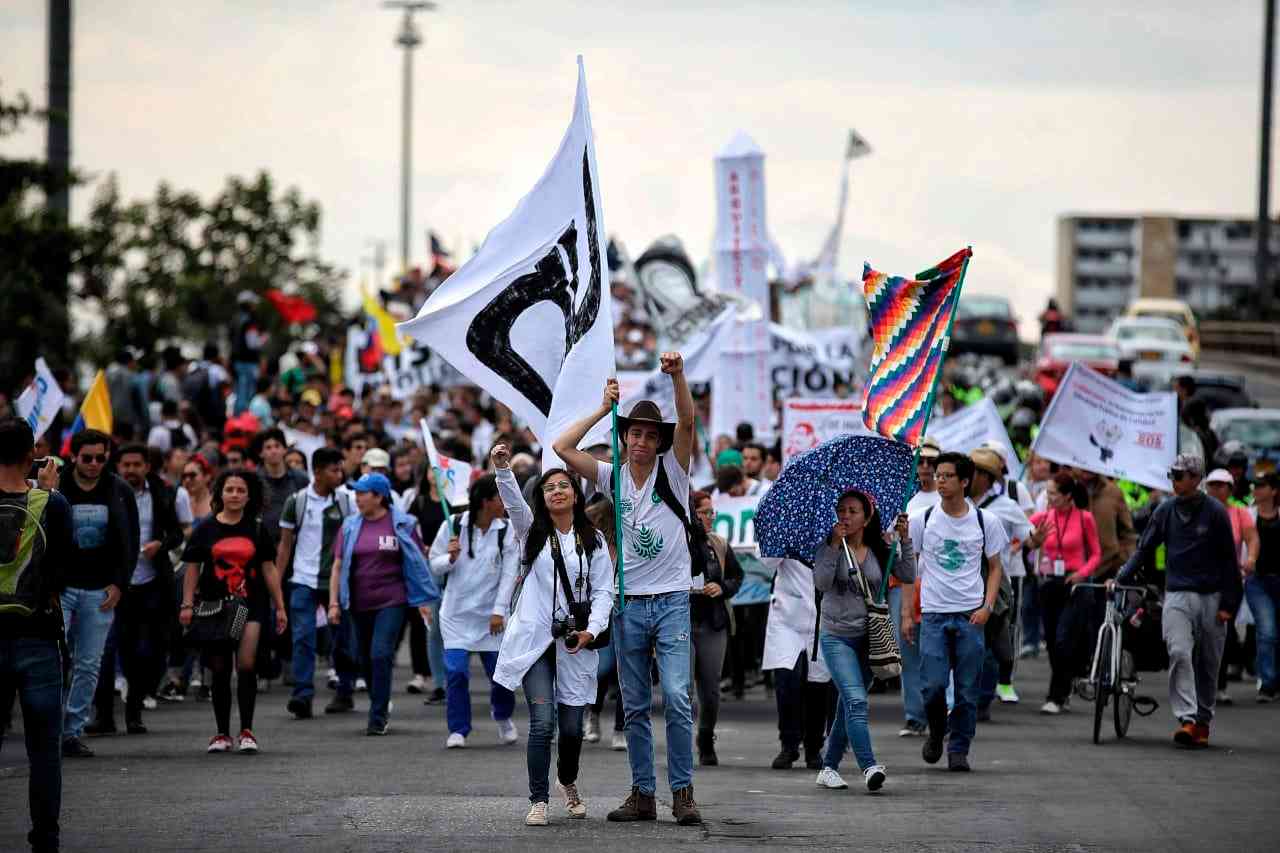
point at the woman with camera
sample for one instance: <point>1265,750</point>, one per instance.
<point>848,568</point>
<point>712,623</point>
<point>563,600</point>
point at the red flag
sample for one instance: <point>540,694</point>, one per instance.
<point>295,310</point>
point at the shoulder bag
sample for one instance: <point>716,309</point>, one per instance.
<point>882,647</point>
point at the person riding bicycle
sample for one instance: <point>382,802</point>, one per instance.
<point>1203,591</point>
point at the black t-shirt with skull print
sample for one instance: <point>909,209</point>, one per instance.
<point>230,557</point>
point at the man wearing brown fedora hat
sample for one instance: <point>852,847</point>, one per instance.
<point>654,506</point>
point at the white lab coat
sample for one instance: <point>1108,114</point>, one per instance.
<point>793,614</point>
<point>528,631</point>
<point>479,586</point>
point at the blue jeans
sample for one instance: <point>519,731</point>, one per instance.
<point>246,384</point>
<point>87,629</point>
<point>302,624</point>
<point>346,653</point>
<point>435,648</point>
<point>846,660</point>
<point>377,631</point>
<point>457,663</point>
<point>32,669</point>
<point>660,623</point>
<point>912,701</point>
<point>951,646</point>
<point>545,714</point>
<point>1264,600</point>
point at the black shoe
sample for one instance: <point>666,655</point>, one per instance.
<point>785,759</point>
<point>98,728</point>
<point>135,727</point>
<point>300,708</point>
<point>436,697</point>
<point>707,749</point>
<point>958,762</point>
<point>377,729</point>
<point>203,694</point>
<point>984,715</point>
<point>931,751</point>
<point>340,704</point>
<point>73,747</point>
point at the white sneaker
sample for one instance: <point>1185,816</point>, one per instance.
<point>619,743</point>
<point>1007,694</point>
<point>828,778</point>
<point>457,740</point>
<point>573,804</point>
<point>874,777</point>
<point>149,703</point>
<point>418,684</point>
<point>122,687</point>
<point>1051,707</point>
<point>537,815</point>
<point>592,734</point>
<point>361,686</point>
<point>1224,698</point>
<point>331,678</point>
<point>507,732</point>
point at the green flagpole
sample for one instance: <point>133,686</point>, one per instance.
<point>617,509</point>
<point>928,410</point>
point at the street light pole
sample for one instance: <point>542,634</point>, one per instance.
<point>1262,255</point>
<point>409,39</point>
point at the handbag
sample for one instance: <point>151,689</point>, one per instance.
<point>883,654</point>
<point>218,621</point>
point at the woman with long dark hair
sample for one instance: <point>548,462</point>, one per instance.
<point>848,566</point>
<point>1070,552</point>
<point>230,556</point>
<point>544,647</point>
<point>712,623</point>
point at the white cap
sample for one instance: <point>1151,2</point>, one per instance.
<point>1220,475</point>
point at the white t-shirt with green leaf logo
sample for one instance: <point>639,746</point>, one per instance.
<point>656,555</point>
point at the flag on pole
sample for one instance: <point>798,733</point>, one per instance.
<point>95,411</point>
<point>454,475</point>
<point>40,402</point>
<point>383,324</point>
<point>527,318</point>
<point>910,325</point>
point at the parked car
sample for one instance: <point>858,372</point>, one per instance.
<point>1257,429</point>
<point>985,325</point>
<point>1170,309</point>
<point>1156,346</point>
<point>1058,351</point>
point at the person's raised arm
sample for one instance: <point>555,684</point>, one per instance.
<point>682,444</point>
<point>518,512</point>
<point>566,446</point>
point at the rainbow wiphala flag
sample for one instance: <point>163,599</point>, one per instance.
<point>909,320</point>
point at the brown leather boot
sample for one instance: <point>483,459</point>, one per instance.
<point>683,808</point>
<point>637,806</point>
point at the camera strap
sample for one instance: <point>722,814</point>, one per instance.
<point>558,559</point>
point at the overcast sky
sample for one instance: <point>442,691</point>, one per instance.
<point>988,119</point>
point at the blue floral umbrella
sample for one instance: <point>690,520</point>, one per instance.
<point>797,513</point>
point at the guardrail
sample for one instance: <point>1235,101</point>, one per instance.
<point>1255,338</point>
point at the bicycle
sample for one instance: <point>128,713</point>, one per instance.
<point>1113,672</point>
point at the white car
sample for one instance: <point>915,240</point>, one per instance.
<point>1157,347</point>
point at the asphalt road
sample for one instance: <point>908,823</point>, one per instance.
<point>321,785</point>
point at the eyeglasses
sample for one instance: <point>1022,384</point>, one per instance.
<point>1177,475</point>
<point>942,478</point>
<point>189,475</point>
<point>90,458</point>
<point>557,486</point>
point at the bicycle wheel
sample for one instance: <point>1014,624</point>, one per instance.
<point>1103,687</point>
<point>1124,693</point>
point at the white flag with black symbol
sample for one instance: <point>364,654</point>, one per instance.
<point>528,318</point>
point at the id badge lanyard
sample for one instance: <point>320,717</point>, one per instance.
<point>1060,564</point>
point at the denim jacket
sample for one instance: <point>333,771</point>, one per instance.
<point>418,582</point>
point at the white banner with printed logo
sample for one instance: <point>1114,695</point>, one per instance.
<point>38,405</point>
<point>807,423</point>
<point>527,318</point>
<point>456,473</point>
<point>736,520</point>
<point>966,428</point>
<point>1099,425</point>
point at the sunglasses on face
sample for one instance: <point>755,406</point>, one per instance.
<point>1177,475</point>
<point>90,458</point>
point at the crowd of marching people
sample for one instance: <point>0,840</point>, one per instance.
<point>200,548</point>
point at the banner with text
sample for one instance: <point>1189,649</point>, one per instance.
<point>736,520</point>
<point>966,428</point>
<point>39,403</point>
<point>806,423</point>
<point>1098,424</point>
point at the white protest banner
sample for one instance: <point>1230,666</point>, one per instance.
<point>966,428</point>
<point>415,367</point>
<point>306,442</point>
<point>742,238</point>
<point>741,394</point>
<point>456,473</point>
<point>736,520</point>
<point>38,405</point>
<point>1099,425</point>
<point>806,423</point>
<point>527,318</point>
<point>811,363</point>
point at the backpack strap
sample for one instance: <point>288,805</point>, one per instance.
<point>502,538</point>
<point>663,487</point>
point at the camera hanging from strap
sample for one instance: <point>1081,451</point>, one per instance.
<point>563,574</point>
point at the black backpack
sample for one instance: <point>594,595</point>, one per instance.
<point>178,439</point>
<point>1004,598</point>
<point>695,539</point>
<point>502,536</point>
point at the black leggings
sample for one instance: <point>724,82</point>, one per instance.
<point>220,663</point>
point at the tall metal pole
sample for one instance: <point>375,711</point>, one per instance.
<point>56,324</point>
<point>1263,253</point>
<point>409,40</point>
